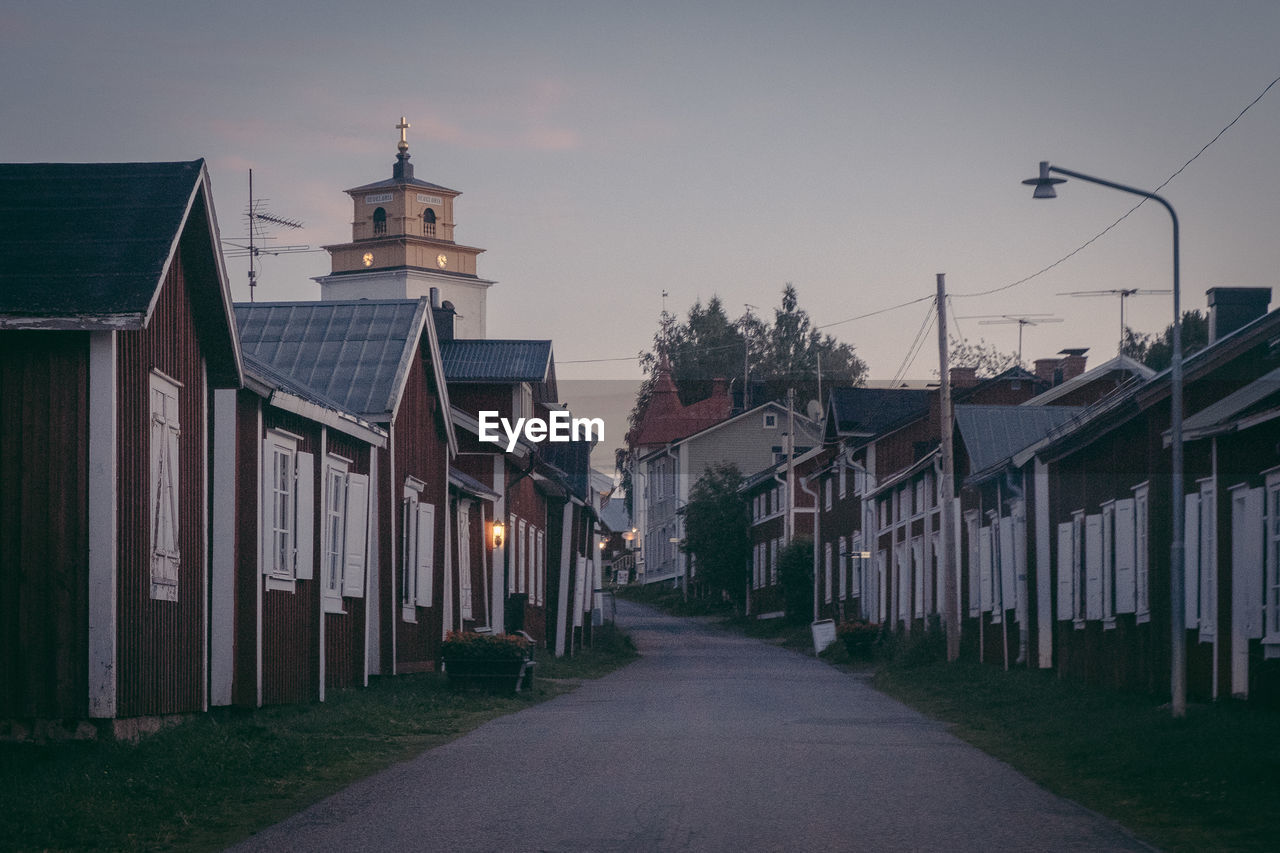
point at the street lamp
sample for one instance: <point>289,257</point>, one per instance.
<point>1044,188</point>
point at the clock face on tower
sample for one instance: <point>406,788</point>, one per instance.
<point>442,260</point>
<point>368,259</point>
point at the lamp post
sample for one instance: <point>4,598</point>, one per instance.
<point>1044,188</point>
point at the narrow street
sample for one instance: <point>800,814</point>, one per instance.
<point>710,741</point>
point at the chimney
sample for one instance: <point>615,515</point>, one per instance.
<point>1233,307</point>
<point>1045,370</point>
<point>964,377</point>
<point>720,387</point>
<point>1073,362</point>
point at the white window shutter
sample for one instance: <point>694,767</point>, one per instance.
<point>304,502</point>
<point>356,536</point>
<point>1208,563</point>
<point>425,552</point>
<point>917,571</point>
<point>464,559</point>
<point>1093,566</point>
<point>985,566</point>
<point>1246,562</point>
<point>266,508</point>
<point>1191,561</point>
<point>1066,603</point>
<point>1126,601</point>
<point>1008,565</point>
<point>975,563</point>
<point>842,567</point>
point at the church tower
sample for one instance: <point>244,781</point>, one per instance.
<point>402,247</point>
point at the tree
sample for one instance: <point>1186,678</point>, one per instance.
<point>795,574</point>
<point>794,350</point>
<point>982,355</point>
<point>1156,351</point>
<point>717,527</point>
<point>707,345</point>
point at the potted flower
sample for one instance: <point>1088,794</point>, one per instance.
<point>858,636</point>
<point>501,661</point>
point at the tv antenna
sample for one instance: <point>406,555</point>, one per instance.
<point>1124,293</point>
<point>1023,320</point>
<point>259,219</point>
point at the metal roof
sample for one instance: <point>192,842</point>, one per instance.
<point>474,360</point>
<point>871,411</point>
<point>1224,415</point>
<point>993,434</point>
<point>467,483</point>
<point>402,182</point>
<point>352,354</point>
<point>613,515</point>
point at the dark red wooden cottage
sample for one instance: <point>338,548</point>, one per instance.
<point>293,509</point>
<point>378,360</point>
<point>115,324</point>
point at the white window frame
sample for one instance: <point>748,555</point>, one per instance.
<point>1271,578</point>
<point>827,571</point>
<point>842,566</point>
<point>417,551</point>
<point>1077,568</point>
<point>165,516</point>
<point>465,605</point>
<point>773,561</point>
<point>287,511</point>
<point>1142,552</point>
<point>770,420</point>
<point>1108,564</point>
<point>539,555</point>
<point>333,545</point>
<point>827,489</point>
<point>844,481</point>
<point>1208,563</point>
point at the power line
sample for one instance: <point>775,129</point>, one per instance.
<point>1038,272</point>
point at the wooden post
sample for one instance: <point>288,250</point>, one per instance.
<point>951,587</point>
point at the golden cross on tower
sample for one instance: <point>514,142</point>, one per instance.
<point>402,127</point>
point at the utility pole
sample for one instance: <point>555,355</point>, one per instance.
<point>951,586</point>
<point>791,464</point>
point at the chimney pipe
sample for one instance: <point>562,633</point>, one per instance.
<point>1233,307</point>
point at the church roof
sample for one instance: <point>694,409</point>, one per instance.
<point>89,245</point>
<point>398,182</point>
<point>493,360</point>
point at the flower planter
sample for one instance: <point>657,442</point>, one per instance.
<point>498,662</point>
<point>859,638</point>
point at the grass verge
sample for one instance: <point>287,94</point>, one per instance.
<point>1210,781</point>
<point>218,777</point>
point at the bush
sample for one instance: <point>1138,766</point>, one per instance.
<point>795,574</point>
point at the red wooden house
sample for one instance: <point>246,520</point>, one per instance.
<point>379,361</point>
<point>1109,497</point>
<point>293,508</point>
<point>514,379</point>
<point>114,326</point>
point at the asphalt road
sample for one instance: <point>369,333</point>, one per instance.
<point>709,742</point>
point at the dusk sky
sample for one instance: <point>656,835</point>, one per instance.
<point>606,153</point>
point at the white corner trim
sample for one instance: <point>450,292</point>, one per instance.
<point>103,401</point>
<point>222,591</point>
